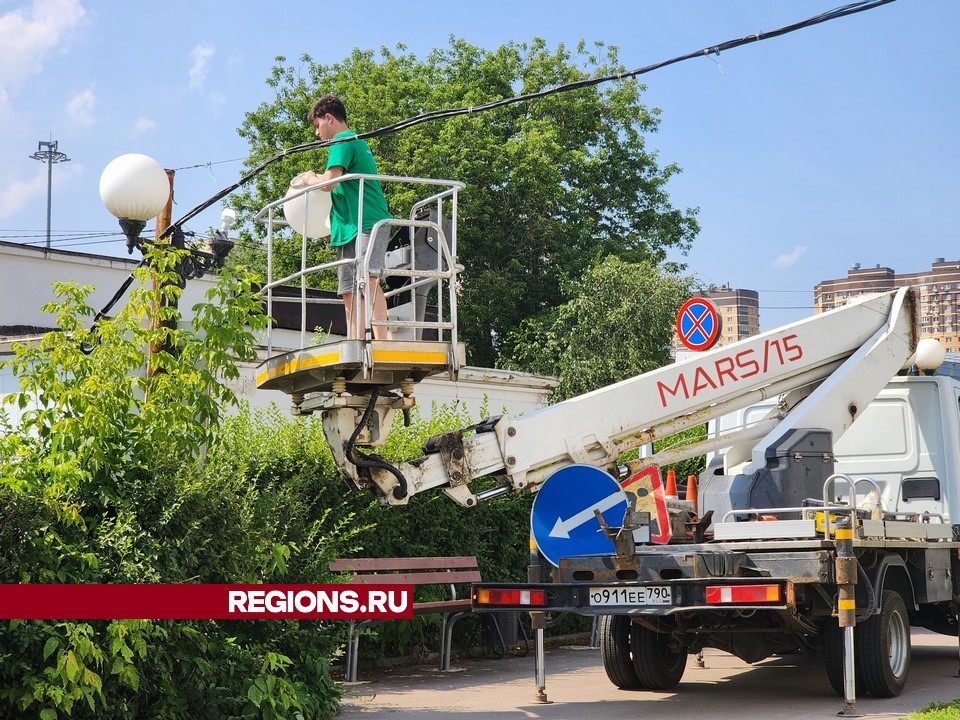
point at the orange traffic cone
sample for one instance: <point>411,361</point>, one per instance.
<point>671,490</point>
<point>692,491</point>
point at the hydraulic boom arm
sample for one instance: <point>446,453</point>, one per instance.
<point>836,363</point>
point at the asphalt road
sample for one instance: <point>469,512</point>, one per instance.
<point>726,689</point>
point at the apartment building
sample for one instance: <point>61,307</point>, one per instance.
<point>939,289</point>
<point>739,312</point>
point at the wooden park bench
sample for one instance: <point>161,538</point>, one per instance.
<point>421,571</point>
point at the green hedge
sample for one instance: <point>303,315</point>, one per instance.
<point>217,528</point>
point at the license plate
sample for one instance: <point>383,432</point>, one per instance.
<point>640,595</point>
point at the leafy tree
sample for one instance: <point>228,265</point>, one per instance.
<point>616,323</point>
<point>552,185</point>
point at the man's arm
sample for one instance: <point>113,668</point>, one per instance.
<point>311,178</point>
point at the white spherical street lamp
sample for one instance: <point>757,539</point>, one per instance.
<point>134,188</point>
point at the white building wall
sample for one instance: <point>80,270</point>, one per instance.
<point>27,274</point>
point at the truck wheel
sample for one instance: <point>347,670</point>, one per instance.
<point>614,632</point>
<point>883,648</point>
<point>658,665</point>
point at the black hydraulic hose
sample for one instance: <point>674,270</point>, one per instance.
<point>367,462</point>
<point>871,594</point>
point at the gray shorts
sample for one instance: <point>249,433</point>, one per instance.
<point>346,273</point>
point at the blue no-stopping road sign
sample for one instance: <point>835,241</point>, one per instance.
<point>698,324</point>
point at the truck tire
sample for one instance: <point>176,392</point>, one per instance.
<point>883,648</point>
<point>614,633</point>
<point>658,665</point>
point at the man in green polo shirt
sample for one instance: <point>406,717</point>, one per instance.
<point>349,227</point>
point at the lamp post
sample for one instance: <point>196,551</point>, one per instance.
<point>135,188</point>
<point>47,152</point>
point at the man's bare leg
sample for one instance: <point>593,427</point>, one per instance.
<point>379,312</point>
<point>352,333</point>
<point>379,309</point>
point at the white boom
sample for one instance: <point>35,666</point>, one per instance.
<point>836,363</point>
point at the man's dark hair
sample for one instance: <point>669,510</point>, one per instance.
<point>328,104</point>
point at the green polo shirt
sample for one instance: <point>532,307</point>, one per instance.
<point>354,156</point>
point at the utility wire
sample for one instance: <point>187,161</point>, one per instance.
<point>66,239</point>
<point>836,13</point>
<point>208,164</point>
<point>112,239</point>
<point>70,240</point>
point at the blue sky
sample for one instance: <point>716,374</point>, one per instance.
<point>805,153</point>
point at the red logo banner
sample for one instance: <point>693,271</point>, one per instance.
<point>206,602</point>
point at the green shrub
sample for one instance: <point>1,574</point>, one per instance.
<point>937,711</point>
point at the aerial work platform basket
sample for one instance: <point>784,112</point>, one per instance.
<point>421,290</point>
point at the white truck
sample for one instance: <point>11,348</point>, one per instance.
<point>829,525</point>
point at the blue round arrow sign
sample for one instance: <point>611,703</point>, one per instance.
<point>563,522</point>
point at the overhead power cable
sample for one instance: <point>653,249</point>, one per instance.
<point>65,240</point>
<point>208,164</point>
<point>835,14</point>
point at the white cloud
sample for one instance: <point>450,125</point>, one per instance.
<point>80,107</point>
<point>15,196</point>
<point>198,71</point>
<point>786,260</point>
<point>31,34</point>
<point>143,125</point>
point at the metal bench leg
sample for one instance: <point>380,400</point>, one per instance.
<point>353,649</point>
<point>446,647</point>
<point>496,627</point>
<point>446,632</point>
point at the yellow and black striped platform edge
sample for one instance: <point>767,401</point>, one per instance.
<point>384,354</point>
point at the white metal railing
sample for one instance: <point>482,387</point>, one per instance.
<point>440,204</point>
<point>828,506</point>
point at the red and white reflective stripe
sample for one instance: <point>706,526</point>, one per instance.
<point>743,594</point>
